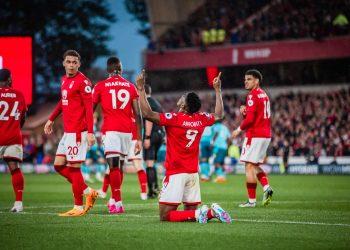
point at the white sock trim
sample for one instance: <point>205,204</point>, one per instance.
<point>266,187</point>
<point>252,200</point>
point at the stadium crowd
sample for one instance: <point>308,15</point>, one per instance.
<point>218,22</point>
<point>303,124</point>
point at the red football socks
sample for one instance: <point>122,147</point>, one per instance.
<point>251,187</point>
<point>142,180</point>
<point>179,216</point>
<point>262,179</point>
<point>210,214</point>
<point>106,183</point>
<point>77,185</point>
<point>17,183</point>
<point>116,181</point>
<point>64,171</point>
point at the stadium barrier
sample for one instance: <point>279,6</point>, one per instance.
<point>274,165</point>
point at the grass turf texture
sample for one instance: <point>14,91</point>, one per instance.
<point>307,212</point>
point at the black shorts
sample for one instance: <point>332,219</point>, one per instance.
<point>156,142</point>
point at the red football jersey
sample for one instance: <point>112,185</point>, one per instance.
<point>183,134</point>
<point>75,104</point>
<point>115,94</point>
<point>257,121</point>
<point>12,110</point>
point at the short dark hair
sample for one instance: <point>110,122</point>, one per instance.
<point>148,89</point>
<point>5,75</point>
<point>255,73</point>
<point>114,64</point>
<point>193,102</point>
<point>71,52</point>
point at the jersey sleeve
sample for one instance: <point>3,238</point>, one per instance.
<point>133,92</point>
<point>168,119</point>
<point>251,106</point>
<point>96,94</point>
<point>207,119</point>
<point>57,111</point>
<point>85,92</point>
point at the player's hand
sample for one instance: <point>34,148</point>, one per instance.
<point>91,139</point>
<point>48,127</point>
<point>141,80</point>
<point>236,132</point>
<point>138,147</point>
<point>217,82</point>
<point>147,143</point>
<point>243,110</point>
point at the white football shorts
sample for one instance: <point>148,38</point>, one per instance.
<point>11,152</point>
<point>116,143</point>
<point>73,147</point>
<point>180,188</point>
<point>254,150</point>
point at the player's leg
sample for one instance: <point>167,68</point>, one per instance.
<point>17,184</point>
<point>204,161</point>
<point>152,178</point>
<point>137,163</point>
<point>250,184</point>
<point>264,181</point>
<point>219,166</point>
<point>75,153</point>
<point>261,145</point>
<point>115,204</point>
<point>86,169</point>
<point>142,177</point>
<point>100,168</point>
<point>106,182</point>
<point>13,155</point>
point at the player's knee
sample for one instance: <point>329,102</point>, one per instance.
<point>164,216</point>
<point>12,165</point>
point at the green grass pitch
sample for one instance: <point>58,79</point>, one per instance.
<point>307,212</point>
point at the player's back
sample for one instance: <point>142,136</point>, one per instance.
<point>259,103</point>
<point>222,134</point>
<point>115,94</point>
<point>183,133</point>
<point>12,109</point>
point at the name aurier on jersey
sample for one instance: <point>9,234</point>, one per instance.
<point>10,95</point>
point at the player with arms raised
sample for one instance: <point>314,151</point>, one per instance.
<point>12,117</point>
<point>183,133</point>
<point>257,126</point>
<point>119,101</point>
<point>76,107</point>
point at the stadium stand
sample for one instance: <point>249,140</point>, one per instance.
<point>217,22</point>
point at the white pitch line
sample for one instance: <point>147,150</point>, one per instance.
<point>239,220</point>
<point>156,204</point>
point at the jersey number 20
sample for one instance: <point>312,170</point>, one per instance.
<point>122,96</point>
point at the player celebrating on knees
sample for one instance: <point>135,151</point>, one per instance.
<point>257,126</point>
<point>183,133</point>
<point>76,108</point>
<point>12,117</point>
<point>119,99</point>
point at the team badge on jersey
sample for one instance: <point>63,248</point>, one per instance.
<point>168,115</point>
<point>88,89</point>
<point>250,101</point>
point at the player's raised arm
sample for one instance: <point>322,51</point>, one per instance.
<point>147,112</point>
<point>219,106</point>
